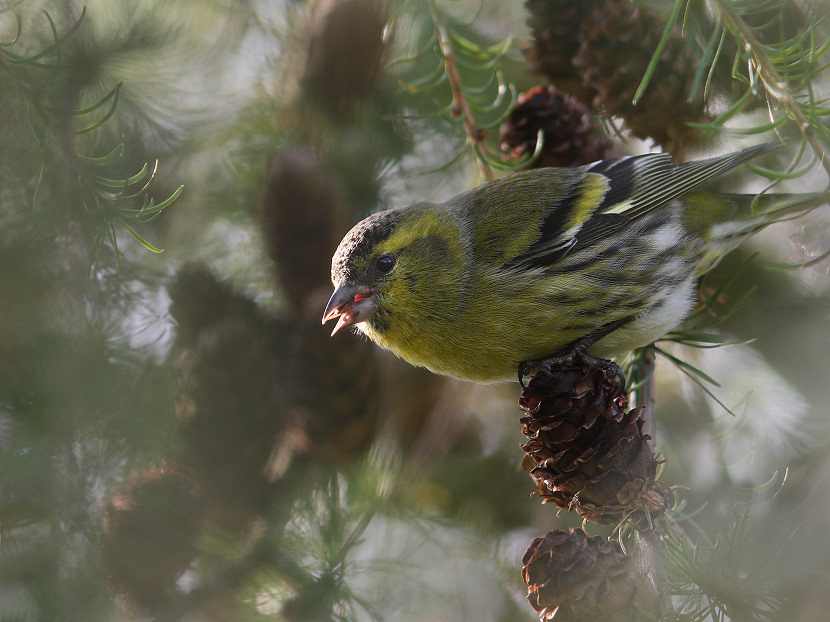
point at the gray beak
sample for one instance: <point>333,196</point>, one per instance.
<point>351,304</point>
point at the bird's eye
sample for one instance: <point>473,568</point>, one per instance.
<point>385,263</point>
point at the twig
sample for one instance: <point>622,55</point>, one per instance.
<point>646,394</point>
<point>460,107</point>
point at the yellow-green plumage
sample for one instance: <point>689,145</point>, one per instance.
<point>519,268</point>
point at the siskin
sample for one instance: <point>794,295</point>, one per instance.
<point>605,257</point>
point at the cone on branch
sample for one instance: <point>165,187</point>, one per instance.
<point>305,213</point>
<point>572,577</point>
<point>304,217</point>
<point>200,301</point>
<point>555,39</point>
<point>234,415</point>
<point>587,451</point>
<point>570,136</point>
<point>344,65</point>
<point>600,51</point>
<point>618,41</point>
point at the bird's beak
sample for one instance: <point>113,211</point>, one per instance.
<point>351,304</point>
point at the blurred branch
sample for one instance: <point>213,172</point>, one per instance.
<point>264,552</point>
<point>45,97</point>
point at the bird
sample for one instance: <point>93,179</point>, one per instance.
<point>601,258</point>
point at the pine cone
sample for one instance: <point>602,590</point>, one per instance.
<point>586,451</point>
<point>236,416</point>
<point>304,218</point>
<point>570,137</point>
<point>305,214</point>
<point>345,53</point>
<point>617,44</point>
<point>555,27</point>
<point>199,301</point>
<point>575,578</point>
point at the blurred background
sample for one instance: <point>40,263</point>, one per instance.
<point>180,439</point>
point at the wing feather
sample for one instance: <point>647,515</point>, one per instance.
<point>635,186</point>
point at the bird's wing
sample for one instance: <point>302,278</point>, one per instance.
<point>614,192</point>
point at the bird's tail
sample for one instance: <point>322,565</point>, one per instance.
<point>752,213</point>
<point>770,208</point>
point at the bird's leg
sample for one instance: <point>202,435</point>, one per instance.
<point>576,352</point>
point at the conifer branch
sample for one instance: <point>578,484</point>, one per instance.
<point>775,85</point>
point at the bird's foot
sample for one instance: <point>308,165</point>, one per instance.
<point>570,357</point>
<point>576,354</point>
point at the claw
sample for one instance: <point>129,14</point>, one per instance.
<point>576,353</point>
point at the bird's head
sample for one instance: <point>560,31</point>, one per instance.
<point>388,265</point>
<point>361,270</point>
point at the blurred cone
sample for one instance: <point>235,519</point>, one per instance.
<point>555,26</point>
<point>618,41</point>
<point>151,530</point>
<point>234,410</point>
<point>575,578</point>
<point>345,53</point>
<point>304,217</point>
<point>336,390</point>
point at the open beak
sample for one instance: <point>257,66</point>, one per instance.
<point>351,304</point>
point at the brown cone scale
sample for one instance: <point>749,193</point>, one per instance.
<point>572,577</point>
<point>587,451</point>
<point>570,137</point>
